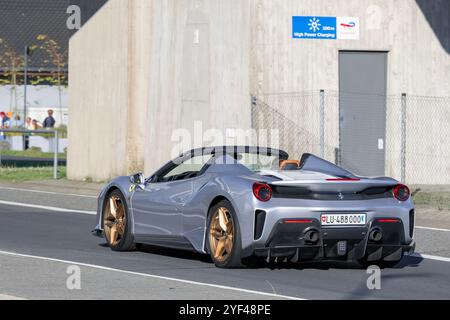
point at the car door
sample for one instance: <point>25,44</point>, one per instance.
<point>157,207</point>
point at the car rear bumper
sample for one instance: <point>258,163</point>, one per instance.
<point>316,253</point>
<point>308,240</point>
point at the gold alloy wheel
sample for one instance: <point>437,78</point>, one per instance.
<point>221,233</point>
<point>114,220</point>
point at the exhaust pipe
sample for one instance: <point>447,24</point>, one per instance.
<point>375,235</point>
<point>311,236</point>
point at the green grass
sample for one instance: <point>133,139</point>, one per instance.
<point>435,199</point>
<point>15,174</point>
<point>31,153</point>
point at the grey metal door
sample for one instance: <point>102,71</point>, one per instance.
<point>362,111</point>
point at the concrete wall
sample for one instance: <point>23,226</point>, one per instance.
<point>206,81</point>
<point>99,95</point>
<point>140,69</point>
<point>418,63</point>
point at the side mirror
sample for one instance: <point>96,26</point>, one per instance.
<point>137,178</point>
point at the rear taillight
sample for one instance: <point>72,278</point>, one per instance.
<point>401,192</point>
<point>262,191</point>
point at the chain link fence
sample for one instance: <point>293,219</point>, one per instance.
<point>427,139</point>
<point>417,131</point>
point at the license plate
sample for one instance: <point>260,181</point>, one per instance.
<point>341,219</point>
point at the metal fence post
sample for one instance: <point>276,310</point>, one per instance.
<point>25,83</point>
<point>403,143</point>
<point>337,160</point>
<point>322,123</point>
<point>253,102</point>
<point>55,159</point>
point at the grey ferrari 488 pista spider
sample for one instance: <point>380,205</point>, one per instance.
<point>241,203</point>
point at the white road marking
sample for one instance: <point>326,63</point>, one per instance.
<point>434,229</point>
<point>8,297</point>
<point>14,254</point>
<point>431,257</point>
<point>27,205</point>
<point>49,192</point>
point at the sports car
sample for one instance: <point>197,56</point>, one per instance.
<point>243,204</point>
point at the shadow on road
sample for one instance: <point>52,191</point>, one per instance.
<point>407,261</point>
<point>387,278</point>
<point>175,253</point>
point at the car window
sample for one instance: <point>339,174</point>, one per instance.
<point>258,162</point>
<point>187,169</point>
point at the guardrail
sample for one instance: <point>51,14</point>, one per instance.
<point>31,132</point>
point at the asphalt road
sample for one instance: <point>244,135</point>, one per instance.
<point>37,246</point>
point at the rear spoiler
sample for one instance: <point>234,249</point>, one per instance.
<point>338,185</point>
<point>310,162</point>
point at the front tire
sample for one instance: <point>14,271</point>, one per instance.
<point>223,236</point>
<point>117,223</point>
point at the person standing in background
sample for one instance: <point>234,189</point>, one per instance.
<point>49,122</point>
<point>4,124</point>
<point>29,126</point>
<point>36,125</point>
<point>29,123</point>
<point>4,120</point>
<point>16,122</point>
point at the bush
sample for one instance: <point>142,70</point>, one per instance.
<point>62,131</point>
<point>12,134</point>
<point>34,149</point>
<point>4,145</point>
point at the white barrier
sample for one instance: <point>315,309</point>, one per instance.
<point>39,142</point>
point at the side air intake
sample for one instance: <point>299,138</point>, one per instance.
<point>260,219</point>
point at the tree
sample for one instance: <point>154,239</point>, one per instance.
<point>58,59</point>
<point>11,65</point>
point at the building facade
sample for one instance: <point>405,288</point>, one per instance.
<point>140,70</point>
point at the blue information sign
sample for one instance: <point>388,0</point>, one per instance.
<point>313,27</point>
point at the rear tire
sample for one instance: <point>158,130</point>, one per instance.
<point>223,238</point>
<point>117,223</point>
